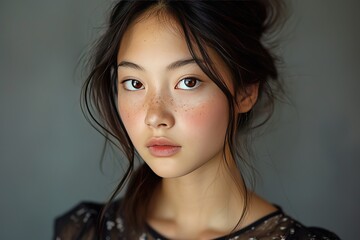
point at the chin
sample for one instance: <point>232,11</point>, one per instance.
<point>168,172</point>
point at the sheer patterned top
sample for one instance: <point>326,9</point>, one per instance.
<point>81,223</point>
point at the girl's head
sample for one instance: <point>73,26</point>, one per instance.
<point>175,116</point>
<point>183,73</point>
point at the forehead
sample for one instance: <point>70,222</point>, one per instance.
<point>153,32</point>
<point>155,40</point>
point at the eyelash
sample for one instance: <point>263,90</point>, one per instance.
<point>129,84</point>
<point>197,83</point>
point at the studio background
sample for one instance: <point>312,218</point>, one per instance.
<point>308,158</point>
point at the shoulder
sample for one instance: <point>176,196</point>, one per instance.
<point>82,221</point>
<point>280,226</point>
<point>302,232</point>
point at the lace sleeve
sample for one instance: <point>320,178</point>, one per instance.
<point>80,223</point>
<point>312,233</point>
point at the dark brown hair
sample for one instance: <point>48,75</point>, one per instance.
<point>235,30</point>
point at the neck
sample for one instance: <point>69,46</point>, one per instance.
<point>208,198</point>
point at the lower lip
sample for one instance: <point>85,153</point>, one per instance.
<point>164,151</point>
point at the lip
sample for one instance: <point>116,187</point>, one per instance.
<point>162,147</point>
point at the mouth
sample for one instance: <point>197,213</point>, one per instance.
<point>162,147</point>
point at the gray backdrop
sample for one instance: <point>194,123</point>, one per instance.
<point>308,158</point>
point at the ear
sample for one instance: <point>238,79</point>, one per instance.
<point>246,99</point>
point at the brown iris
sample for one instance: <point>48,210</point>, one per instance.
<point>190,82</point>
<point>136,84</point>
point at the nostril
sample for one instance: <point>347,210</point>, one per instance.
<point>159,116</point>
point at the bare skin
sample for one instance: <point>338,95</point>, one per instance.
<point>203,207</point>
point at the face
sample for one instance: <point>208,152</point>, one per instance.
<point>175,115</point>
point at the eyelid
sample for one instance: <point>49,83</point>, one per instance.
<point>199,82</point>
<point>127,87</point>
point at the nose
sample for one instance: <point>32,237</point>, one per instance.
<point>159,114</point>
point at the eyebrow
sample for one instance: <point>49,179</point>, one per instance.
<point>171,66</point>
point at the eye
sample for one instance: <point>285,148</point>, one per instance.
<point>132,85</point>
<point>188,83</point>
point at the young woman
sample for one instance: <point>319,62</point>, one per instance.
<point>180,85</point>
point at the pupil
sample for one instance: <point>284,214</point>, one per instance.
<point>136,84</point>
<point>190,82</point>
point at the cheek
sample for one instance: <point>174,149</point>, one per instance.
<point>208,118</point>
<point>129,113</point>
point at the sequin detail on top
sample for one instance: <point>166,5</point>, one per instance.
<point>80,223</point>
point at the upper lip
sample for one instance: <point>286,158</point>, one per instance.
<point>160,141</point>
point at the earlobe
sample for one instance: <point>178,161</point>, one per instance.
<point>247,98</point>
